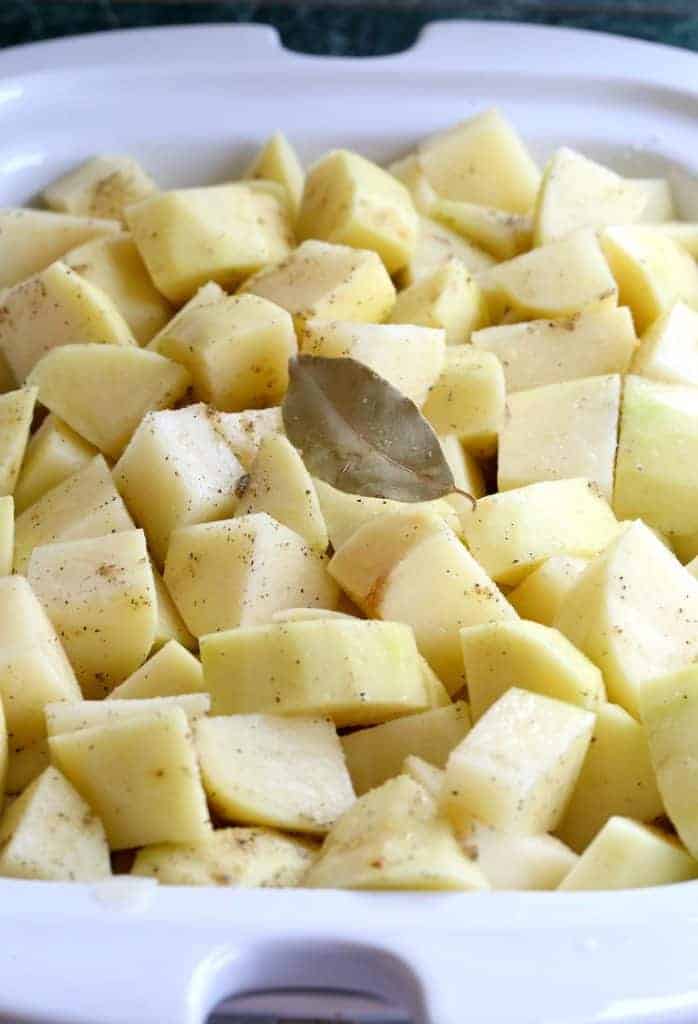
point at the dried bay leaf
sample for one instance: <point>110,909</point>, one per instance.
<point>358,433</point>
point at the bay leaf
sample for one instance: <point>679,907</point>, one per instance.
<point>360,434</point>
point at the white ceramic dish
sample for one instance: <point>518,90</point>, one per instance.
<point>192,103</point>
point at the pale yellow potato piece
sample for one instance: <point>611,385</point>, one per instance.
<point>56,307</point>
<point>355,672</point>
<point>634,612</point>
<point>469,399</point>
<point>437,244</point>
<point>391,838</point>
<point>409,171</point>
<point>247,858</point>
<point>669,348</point>
<point>71,383</point>
<point>499,655</point>
<point>115,265</point>
<point>617,777</point>
<point>101,187</point>
<point>238,572</point>
<point>16,412</point>
<point>210,294</point>
<point>651,270</point>
<point>512,533</point>
<point>268,770</point>
<point>277,161</point>
<point>52,454</point>
<point>448,298</point>
<point>7,534</point>
<point>85,504</point>
<point>237,351</point>
<point>561,431</point>
<point>426,775</point>
<point>327,281</point>
<point>628,855</point>
<point>181,456</point>
<point>170,624</point>
<point>222,233</point>
<point>589,344</point>
<point>245,431</point>
<point>555,280</point>
<point>25,765</point>
<point>62,718</point>
<point>171,671</point>
<point>99,594</point>
<point>280,485</point>
<point>140,776</point>
<point>683,232</point>
<point>50,833</point>
<point>467,475</point>
<point>500,233</point>
<point>483,160</point>
<point>4,749</point>
<point>540,595</point>
<point>517,767</point>
<point>32,239</point>
<point>409,357</point>
<point>516,862</point>
<point>377,754</point>
<point>659,200</point>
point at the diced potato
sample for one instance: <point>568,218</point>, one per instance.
<point>409,171</point>
<point>4,749</point>
<point>500,233</point>
<point>392,839</point>
<point>56,307</point>
<point>25,765</point>
<point>659,200</point>
<point>240,857</point>
<point>484,161</point>
<point>512,533</point>
<point>115,265</point>
<point>329,282</point>
<point>173,670</point>
<point>499,655</point>
<point>555,280</point>
<point>32,239</point>
<point>85,504</point>
<point>268,770</point>
<point>62,718</point>
<point>410,358</point>
<point>378,567</point>
<point>669,348</point>
<point>437,245</point>
<point>237,351</point>
<point>50,833</point>
<point>209,294</point>
<point>468,399</point>
<point>617,777</point>
<point>589,344</point>
<point>277,161</point>
<point>540,595</point>
<point>507,861</point>
<point>101,187</point>
<point>355,672</point>
<point>280,485</point>
<point>628,855</point>
<point>16,412</point>
<point>428,776</point>
<point>245,431</point>
<point>53,454</point>
<point>170,624</point>
<point>517,767</point>
<point>467,474</point>
<point>684,233</point>
<point>139,776</point>
<point>182,457</point>
<point>222,233</point>
<point>652,271</point>
<point>99,594</point>
<point>561,431</point>
<point>70,382</point>
<point>634,612</point>
<point>376,755</point>
<point>7,534</point>
<point>447,298</point>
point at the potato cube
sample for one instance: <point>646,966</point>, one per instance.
<point>209,294</point>
<point>32,239</point>
<point>468,399</point>
<point>684,233</point>
<point>669,348</point>
<point>240,857</point>
<point>55,307</point>
<point>634,613</point>
<point>70,381</point>
<point>53,454</point>
<point>245,431</point>
<point>327,281</point>
<point>540,595</point>
<point>518,862</point>
<point>517,767</point>
<point>377,754</point>
<point>500,233</point>
<point>170,671</point>
<point>99,594</point>
<point>237,351</point>
<point>101,187</point>
<point>467,474</point>
<point>16,412</point>
<point>409,171</point>
<point>140,776</point>
<point>7,534</point>
<point>350,201</point>
<point>659,200</point>
<point>355,672</point>
<point>628,855</point>
<point>437,244</point>
<point>512,533</point>
<point>391,838</point>
<point>50,833</point>
<point>221,233</point>
<point>170,624</point>
<point>447,298</point>
<point>182,457</point>
<point>62,718</point>
<point>428,776</point>
<point>277,161</point>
